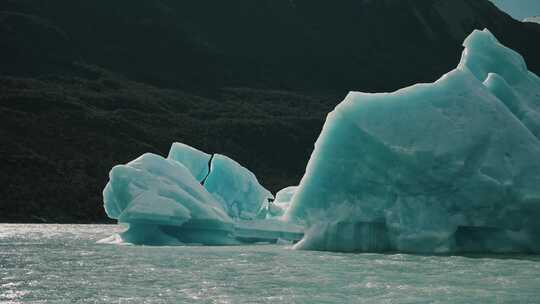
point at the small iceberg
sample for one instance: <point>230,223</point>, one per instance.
<point>191,197</point>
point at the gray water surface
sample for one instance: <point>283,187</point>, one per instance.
<point>63,264</point>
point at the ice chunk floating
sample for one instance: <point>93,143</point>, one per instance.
<point>447,167</point>
<point>236,188</point>
<point>190,197</point>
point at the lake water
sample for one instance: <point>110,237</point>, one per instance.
<point>63,264</point>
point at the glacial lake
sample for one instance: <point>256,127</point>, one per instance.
<point>63,264</point>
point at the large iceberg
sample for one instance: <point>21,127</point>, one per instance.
<point>447,167</point>
<point>232,185</point>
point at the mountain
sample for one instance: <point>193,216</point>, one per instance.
<point>85,85</point>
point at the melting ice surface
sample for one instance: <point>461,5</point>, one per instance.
<point>451,166</point>
<point>190,197</point>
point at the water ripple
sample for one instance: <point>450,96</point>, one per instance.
<point>63,264</point>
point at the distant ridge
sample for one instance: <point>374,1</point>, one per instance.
<point>304,45</point>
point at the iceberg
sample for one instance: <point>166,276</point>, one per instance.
<point>190,197</point>
<point>447,167</point>
<point>281,203</point>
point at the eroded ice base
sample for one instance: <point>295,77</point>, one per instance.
<point>243,232</point>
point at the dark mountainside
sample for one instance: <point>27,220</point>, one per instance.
<point>85,85</point>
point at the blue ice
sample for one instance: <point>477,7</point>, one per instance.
<point>161,198</point>
<point>451,166</point>
<point>236,188</point>
<point>189,197</point>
